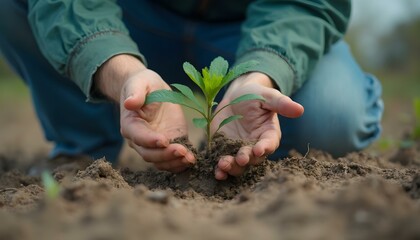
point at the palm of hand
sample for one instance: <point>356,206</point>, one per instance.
<point>150,128</point>
<point>165,118</point>
<point>255,120</point>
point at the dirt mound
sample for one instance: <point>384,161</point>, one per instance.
<point>199,179</point>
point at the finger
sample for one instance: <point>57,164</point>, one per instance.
<point>134,94</point>
<point>269,141</point>
<point>178,170</point>
<point>228,164</point>
<point>160,155</point>
<point>174,151</point>
<point>225,163</point>
<point>135,90</point>
<point>138,131</point>
<point>244,155</point>
<point>135,101</point>
<point>219,174</point>
<point>281,104</point>
<point>236,170</point>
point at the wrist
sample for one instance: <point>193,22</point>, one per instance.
<point>111,76</point>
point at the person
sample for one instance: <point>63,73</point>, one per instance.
<point>79,58</point>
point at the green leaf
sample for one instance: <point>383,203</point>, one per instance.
<point>210,85</point>
<point>247,97</point>
<point>52,189</point>
<point>190,70</point>
<point>238,70</point>
<point>213,77</point>
<point>164,95</point>
<point>228,120</point>
<point>206,79</point>
<point>218,67</point>
<point>200,122</point>
<point>242,98</point>
<point>187,92</point>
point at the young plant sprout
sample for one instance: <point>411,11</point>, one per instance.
<point>210,81</point>
<point>52,189</point>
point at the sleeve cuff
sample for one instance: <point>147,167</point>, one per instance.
<point>274,65</point>
<point>92,52</point>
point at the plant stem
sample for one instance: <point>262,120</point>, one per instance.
<point>209,117</point>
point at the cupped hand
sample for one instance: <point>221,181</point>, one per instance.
<point>259,123</point>
<point>149,128</point>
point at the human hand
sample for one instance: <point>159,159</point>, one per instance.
<point>259,122</point>
<point>149,128</point>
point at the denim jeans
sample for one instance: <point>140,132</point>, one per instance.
<point>343,105</point>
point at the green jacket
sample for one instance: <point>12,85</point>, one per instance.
<point>286,37</point>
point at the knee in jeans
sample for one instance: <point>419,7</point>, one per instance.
<point>339,127</point>
<point>353,128</point>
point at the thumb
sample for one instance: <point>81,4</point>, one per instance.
<point>282,104</point>
<point>133,95</point>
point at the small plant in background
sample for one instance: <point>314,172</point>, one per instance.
<point>51,187</point>
<point>210,81</point>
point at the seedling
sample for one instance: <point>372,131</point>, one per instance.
<point>210,81</point>
<point>52,189</point>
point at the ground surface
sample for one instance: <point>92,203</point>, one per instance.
<point>361,196</point>
<point>369,195</point>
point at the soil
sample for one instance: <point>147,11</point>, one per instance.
<point>360,196</point>
<point>363,195</point>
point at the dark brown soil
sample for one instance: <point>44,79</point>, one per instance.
<point>199,179</point>
<point>360,196</point>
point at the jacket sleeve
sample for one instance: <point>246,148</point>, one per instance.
<point>78,36</point>
<point>288,38</point>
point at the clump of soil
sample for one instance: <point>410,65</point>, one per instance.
<point>101,171</point>
<point>18,191</point>
<point>408,155</point>
<point>413,188</point>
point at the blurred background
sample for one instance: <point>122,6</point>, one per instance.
<point>385,39</point>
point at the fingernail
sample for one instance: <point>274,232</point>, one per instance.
<point>219,175</point>
<point>190,158</point>
<point>258,154</point>
<point>224,164</point>
<point>127,98</point>
<point>161,144</point>
<point>178,154</point>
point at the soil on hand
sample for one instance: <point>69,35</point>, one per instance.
<point>315,196</point>
<point>199,179</point>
